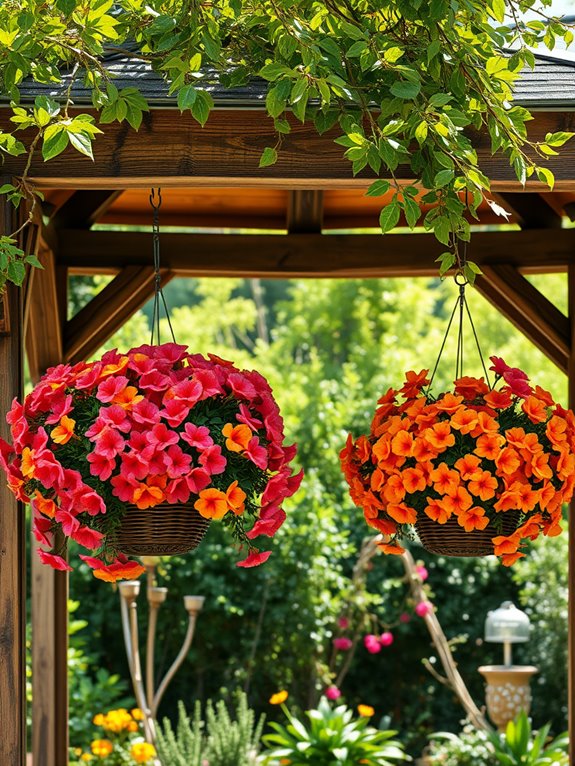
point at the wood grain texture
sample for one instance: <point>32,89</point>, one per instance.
<point>84,208</point>
<point>529,310</point>
<point>309,255</point>
<point>12,545</point>
<point>305,212</point>
<point>532,210</point>
<point>109,310</point>
<point>172,147</point>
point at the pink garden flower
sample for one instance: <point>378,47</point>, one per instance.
<point>342,644</point>
<point>386,639</point>
<point>372,643</point>
<point>423,608</point>
<point>332,693</point>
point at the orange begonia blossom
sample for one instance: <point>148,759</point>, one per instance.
<point>235,497</point>
<point>527,496</point>
<point>413,480</point>
<point>445,480</point>
<point>449,403</point>
<point>402,443</point>
<point>423,450</point>
<point>64,431</point>
<point>464,420</point>
<point>556,430</point>
<point>509,500</point>
<point>473,518</point>
<point>508,559</point>
<point>372,505</point>
<point>363,446</point>
<point>237,437</point>
<point>467,465</point>
<point>439,436</point>
<point>506,544</point>
<point>565,464</point>
<point>436,510</point>
<point>546,494</point>
<point>535,409</point>
<point>515,437</point>
<point>393,548</point>
<point>116,368</point>
<point>212,504</point>
<point>146,496</point>
<point>485,425</point>
<point>489,445</point>
<point>544,395</point>
<point>531,528</point>
<point>394,489</point>
<point>469,387</point>
<point>385,526</point>
<point>508,461</point>
<point>458,501</point>
<point>377,480</point>
<point>127,398</point>
<point>44,505</point>
<point>483,484</point>
<point>27,464</point>
<point>540,466</point>
<point>381,449</point>
<point>402,513</point>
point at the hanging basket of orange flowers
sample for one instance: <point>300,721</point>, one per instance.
<point>478,470</point>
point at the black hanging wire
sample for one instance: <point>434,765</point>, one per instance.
<point>156,203</point>
<point>461,308</point>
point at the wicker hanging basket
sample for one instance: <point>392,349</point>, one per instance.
<point>451,539</point>
<point>165,530</point>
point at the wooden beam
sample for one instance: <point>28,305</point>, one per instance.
<point>309,255</point>
<point>12,538</point>
<point>529,310</point>
<point>44,325</point>
<point>571,568</point>
<point>171,149</point>
<point>532,210</point>
<point>109,310</point>
<point>305,212</point>
<point>84,208</point>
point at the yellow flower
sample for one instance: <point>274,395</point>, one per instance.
<point>142,752</point>
<point>102,747</point>
<point>365,710</point>
<point>117,720</point>
<point>278,697</point>
<point>86,757</point>
<point>98,719</point>
<point>133,726</point>
<point>137,714</point>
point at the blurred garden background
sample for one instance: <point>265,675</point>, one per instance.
<point>330,349</point>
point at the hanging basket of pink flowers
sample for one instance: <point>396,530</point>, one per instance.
<point>136,453</point>
<point>478,470</point>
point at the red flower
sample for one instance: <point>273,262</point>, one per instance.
<point>254,559</point>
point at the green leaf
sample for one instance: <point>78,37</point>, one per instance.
<point>55,141</point>
<point>421,133</point>
<point>558,139</point>
<point>442,178</point>
<point>498,10</point>
<point>545,175</point>
<point>273,71</point>
<point>202,106</point>
<point>186,97</point>
<point>379,187</point>
<point>389,216</point>
<point>405,90</point>
<point>269,157</point>
<point>16,272</point>
<point>82,143</point>
<point>33,261</point>
<point>412,211</point>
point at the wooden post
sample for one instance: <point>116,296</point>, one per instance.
<point>12,545</point>
<point>571,616</point>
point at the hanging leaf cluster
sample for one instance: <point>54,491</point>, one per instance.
<point>404,84</point>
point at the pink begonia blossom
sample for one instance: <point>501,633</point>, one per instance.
<point>124,487</point>
<point>254,559</point>
<point>146,412</point>
<point>386,638</point>
<point>42,530</point>
<point>343,623</point>
<point>56,562</point>
<point>61,407</point>
<point>342,644</point>
<point>422,572</point>
<point>267,524</point>
<point>100,465</point>
<point>177,461</point>
<point>209,382</point>
<point>332,693</point>
<point>110,388</point>
<point>405,617</point>
<point>257,454</point>
<point>198,479</point>
<point>134,465</point>
<point>372,643</point>
<point>213,460</point>
<point>153,380</point>
<point>241,386</point>
<point>178,490</point>
<point>157,462</point>
<point>89,538</point>
<point>423,608</point>
<point>175,412</point>
<point>246,417</point>
<point>197,436</point>
<point>161,435</point>
<point>109,443</point>
<point>116,417</point>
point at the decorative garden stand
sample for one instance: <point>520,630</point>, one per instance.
<point>148,696</point>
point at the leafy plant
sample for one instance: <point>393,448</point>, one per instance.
<point>405,81</point>
<point>333,738</point>
<point>469,748</point>
<point>221,741</point>
<point>520,746</point>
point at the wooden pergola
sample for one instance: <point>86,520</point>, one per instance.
<point>216,192</point>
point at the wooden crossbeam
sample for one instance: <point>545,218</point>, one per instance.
<point>109,310</point>
<point>305,212</point>
<point>309,255</point>
<point>226,151</point>
<point>532,210</point>
<point>84,208</point>
<point>530,311</point>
